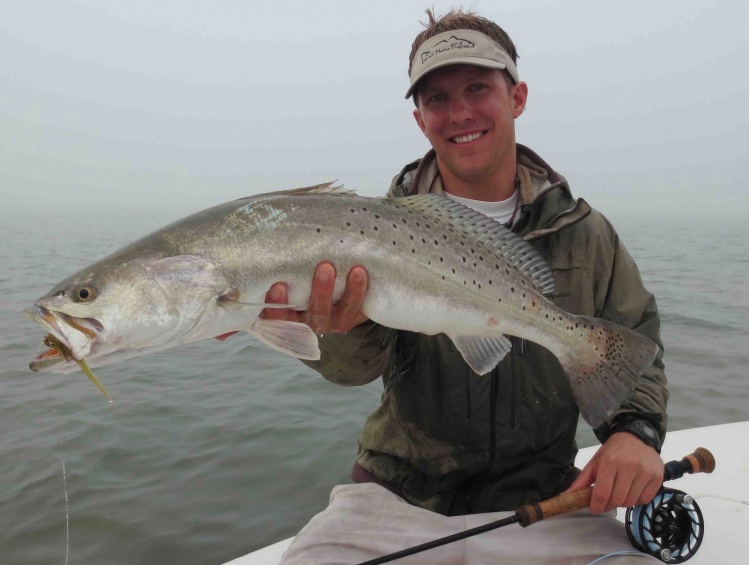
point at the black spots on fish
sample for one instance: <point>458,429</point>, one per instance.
<point>512,289</point>
<point>348,224</point>
<point>394,243</point>
<point>318,230</point>
<point>464,259</point>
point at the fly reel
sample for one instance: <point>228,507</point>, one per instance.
<point>670,528</point>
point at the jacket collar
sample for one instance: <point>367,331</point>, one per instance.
<point>546,200</point>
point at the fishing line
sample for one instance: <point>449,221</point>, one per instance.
<point>617,553</point>
<point>64,473</point>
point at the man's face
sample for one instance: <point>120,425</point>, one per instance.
<point>468,114</point>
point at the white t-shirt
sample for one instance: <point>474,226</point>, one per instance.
<point>500,212</point>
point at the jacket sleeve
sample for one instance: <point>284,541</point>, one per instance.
<point>357,357</point>
<point>627,302</point>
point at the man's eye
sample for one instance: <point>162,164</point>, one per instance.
<point>477,87</point>
<point>439,97</point>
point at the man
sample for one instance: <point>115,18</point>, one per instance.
<point>444,438</point>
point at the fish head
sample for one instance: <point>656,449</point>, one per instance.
<point>125,309</point>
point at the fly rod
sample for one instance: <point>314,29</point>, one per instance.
<point>701,461</point>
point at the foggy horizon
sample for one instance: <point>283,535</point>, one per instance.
<point>640,106</point>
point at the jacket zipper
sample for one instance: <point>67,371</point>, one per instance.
<point>492,421</point>
<point>468,395</point>
<point>520,349</point>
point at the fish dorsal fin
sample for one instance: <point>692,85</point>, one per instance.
<point>481,353</point>
<point>515,251</point>
<point>324,188</point>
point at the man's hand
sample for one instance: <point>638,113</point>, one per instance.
<point>625,472</point>
<point>322,315</point>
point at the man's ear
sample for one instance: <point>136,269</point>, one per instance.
<point>519,98</point>
<point>419,120</point>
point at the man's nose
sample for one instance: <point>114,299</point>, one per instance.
<point>460,111</point>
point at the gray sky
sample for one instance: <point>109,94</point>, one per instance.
<point>642,105</point>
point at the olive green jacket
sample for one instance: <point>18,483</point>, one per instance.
<point>455,442</point>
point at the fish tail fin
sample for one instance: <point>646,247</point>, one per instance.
<point>607,369</point>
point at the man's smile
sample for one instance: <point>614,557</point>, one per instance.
<point>467,138</point>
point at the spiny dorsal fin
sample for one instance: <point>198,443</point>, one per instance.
<point>324,188</point>
<point>512,248</point>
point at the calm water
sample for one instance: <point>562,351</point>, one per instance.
<point>217,449</point>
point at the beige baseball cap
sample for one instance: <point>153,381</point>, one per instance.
<point>462,46</point>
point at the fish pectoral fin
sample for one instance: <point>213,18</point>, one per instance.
<point>482,353</point>
<point>223,301</point>
<point>292,338</point>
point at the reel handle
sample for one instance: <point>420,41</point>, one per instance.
<point>701,461</point>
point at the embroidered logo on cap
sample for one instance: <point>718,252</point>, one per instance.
<point>447,45</point>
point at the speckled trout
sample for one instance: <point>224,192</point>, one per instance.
<point>434,266</point>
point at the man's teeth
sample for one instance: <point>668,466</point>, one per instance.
<point>467,138</point>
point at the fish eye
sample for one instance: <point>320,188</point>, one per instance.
<point>84,293</point>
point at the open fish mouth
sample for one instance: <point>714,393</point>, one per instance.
<point>77,335</point>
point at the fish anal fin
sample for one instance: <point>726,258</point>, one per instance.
<point>292,338</point>
<point>482,353</point>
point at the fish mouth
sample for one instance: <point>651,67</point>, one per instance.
<point>78,335</point>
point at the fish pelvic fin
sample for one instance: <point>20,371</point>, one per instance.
<point>292,338</point>
<point>604,376</point>
<point>482,353</point>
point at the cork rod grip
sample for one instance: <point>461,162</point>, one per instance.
<point>562,504</point>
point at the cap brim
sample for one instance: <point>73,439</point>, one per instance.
<point>475,61</point>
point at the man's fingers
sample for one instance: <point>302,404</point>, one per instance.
<point>278,294</point>
<point>585,478</point>
<point>349,307</point>
<point>320,303</point>
<point>602,491</point>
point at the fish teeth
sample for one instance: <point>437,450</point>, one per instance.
<point>467,138</point>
